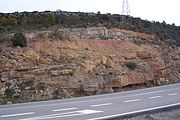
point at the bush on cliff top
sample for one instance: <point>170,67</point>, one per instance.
<point>19,39</point>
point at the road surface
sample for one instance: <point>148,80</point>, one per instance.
<point>98,107</point>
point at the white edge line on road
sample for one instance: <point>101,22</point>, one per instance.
<point>134,112</point>
<point>99,105</point>
<point>127,101</point>
<point>58,110</point>
<point>172,94</point>
<point>18,114</point>
<point>153,97</point>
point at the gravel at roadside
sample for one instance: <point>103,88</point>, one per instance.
<point>168,114</point>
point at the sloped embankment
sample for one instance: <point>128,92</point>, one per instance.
<point>52,69</point>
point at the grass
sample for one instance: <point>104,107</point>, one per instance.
<point>131,65</point>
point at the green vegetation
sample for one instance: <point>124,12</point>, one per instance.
<point>51,19</point>
<point>9,92</point>
<point>15,22</point>
<point>131,65</point>
<point>29,83</point>
<point>19,40</point>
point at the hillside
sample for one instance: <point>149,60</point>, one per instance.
<point>65,63</point>
<point>30,21</point>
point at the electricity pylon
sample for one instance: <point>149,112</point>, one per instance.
<point>126,18</point>
<point>125,8</point>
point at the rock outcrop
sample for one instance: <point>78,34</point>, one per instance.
<point>53,69</point>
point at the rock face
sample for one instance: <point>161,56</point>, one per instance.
<point>60,69</point>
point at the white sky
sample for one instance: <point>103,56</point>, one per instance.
<point>158,10</point>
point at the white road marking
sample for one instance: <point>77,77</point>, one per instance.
<point>134,112</point>
<point>127,101</point>
<point>154,97</point>
<point>44,105</point>
<point>89,111</point>
<point>172,94</point>
<point>60,115</point>
<point>99,105</point>
<point>18,114</point>
<point>58,110</point>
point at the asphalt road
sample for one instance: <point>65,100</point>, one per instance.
<point>95,107</point>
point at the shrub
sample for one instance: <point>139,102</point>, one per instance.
<point>131,65</point>
<point>19,40</point>
<point>9,92</point>
<point>29,83</point>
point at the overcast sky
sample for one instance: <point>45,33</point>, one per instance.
<point>157,10</point>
